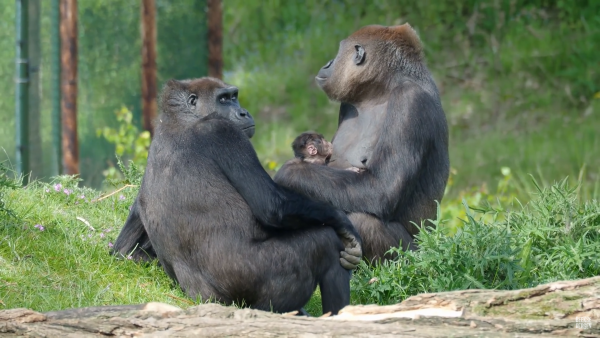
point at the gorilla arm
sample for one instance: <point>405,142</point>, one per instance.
<point>397,160</point>
<point>272,205</point>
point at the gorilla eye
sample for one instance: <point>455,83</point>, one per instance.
<point>222,99</point>
<point>359,57</point>
<point>192,99</point>
<point>234,97</point>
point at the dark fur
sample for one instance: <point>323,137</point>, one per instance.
<point>220,226</point>
<point>391,123</point>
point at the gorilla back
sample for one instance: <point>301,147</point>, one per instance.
<point>217,222</point>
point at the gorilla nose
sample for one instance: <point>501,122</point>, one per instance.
<point>241,114</point>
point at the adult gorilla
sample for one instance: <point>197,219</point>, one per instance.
<point>392,124</point>
<point>219,225</point>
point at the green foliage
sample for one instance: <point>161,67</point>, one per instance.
<point>133,174</point>
<point>454,212</point>
<point>129,143</point>
<point>553,237</point>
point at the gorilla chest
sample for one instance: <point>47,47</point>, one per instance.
<point>357,136</point>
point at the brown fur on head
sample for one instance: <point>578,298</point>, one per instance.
<point>312,147</point>
<point>175,96</point>
<point>389,54</point>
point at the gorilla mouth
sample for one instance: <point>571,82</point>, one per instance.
<point>321,81</point>
<point>249,131</point>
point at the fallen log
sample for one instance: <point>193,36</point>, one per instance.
<point>569,308</point>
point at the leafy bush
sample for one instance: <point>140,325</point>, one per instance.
<point>553,237</point>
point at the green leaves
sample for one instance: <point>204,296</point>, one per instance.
<point>553,237</point>
<point>129,143</point>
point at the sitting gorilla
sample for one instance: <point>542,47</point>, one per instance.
<point>391,123</point>
<point>219,225</point>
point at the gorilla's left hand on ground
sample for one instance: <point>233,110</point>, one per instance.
<point>352,254</point>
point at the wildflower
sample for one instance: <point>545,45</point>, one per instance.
<point>82,197</point>
<point>121,198</point>
<point>101,235</point>
<point>90,236</point>
<point>129,257</point>
<point>110,245</point>
<point>67,191</point>
<point>47,190</point>
<point>57,187</point>
<point>39,227</point>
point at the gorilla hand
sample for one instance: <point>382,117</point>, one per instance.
<point>352,254</point>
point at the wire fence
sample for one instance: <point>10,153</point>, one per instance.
<point>109,72</point>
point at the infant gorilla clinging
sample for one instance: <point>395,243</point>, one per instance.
<point>311,147</point>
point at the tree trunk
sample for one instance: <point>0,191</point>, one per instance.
<point>68,52</point>
<point>562,308</point>
<point>149,87</point>
<point>215,39</point>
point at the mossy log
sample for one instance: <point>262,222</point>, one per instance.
<point>570,308</point>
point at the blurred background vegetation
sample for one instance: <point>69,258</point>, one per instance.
<point>519,79</point>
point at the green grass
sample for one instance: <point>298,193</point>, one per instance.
<point>489,241</point>
<point>554,237</point>
<point>550,151</point>
<point>67,263</point>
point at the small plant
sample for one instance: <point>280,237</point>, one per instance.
<point>129,142</point>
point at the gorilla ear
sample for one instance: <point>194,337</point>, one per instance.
<point>192,99</point>
<point>359,57</point>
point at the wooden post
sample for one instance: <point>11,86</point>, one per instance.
<point>215,39</point>
<point>68,52</point>
<point>35,142</point>
<point>149,89</point>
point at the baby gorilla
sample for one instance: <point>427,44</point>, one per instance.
<point>311,147</point>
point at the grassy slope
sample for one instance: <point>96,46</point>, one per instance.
<point>67,263</point>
